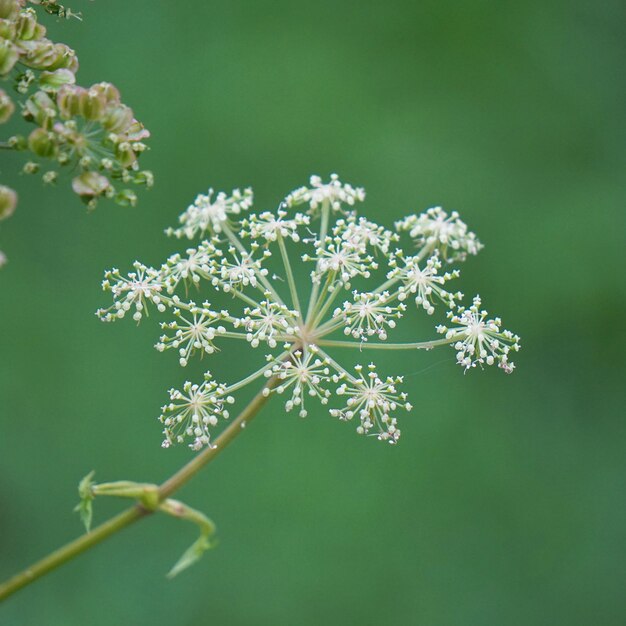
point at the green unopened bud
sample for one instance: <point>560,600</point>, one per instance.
<point>50,177</point>
<point>7,29</point>
<point>92,104</point>
<point>108,91</point>
<point>68,100</point>
<point>8,202</point>
<point>117,118</point>
<point>39,55</point>
<point>6,107</point>
<point>27,28</point>
<point>65,57</point>
<point>8,57</point>
<point>9,9</point>
<point>137,132</point>
<point>39,107</point>
<point>145,177</point>
<point>90,185</point>
<point>42,143</point>
<point>30,167</point>
<point>125,154</point>
<point>18,142</point>
<point>126,197</point>
<point>51,81</point>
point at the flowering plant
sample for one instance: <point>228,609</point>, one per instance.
<point>362,282</point>
<point>86,130</point>
<point>363,279</point>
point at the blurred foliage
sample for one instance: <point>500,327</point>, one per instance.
<point>504,502</point>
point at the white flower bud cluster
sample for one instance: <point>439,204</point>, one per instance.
<point>371,400</point>
<point>305,374</point>
<point>270,226</point>
<point>268,323</point>
<point>360,232</point>
<point>341,259</point>
<point>478,340</point>
<point>369,315</point>
<point>193,333</point>
<point>143,286</point>
<point>295,325</point>
<point>439,231</point>
<point>208,214</point>
<point>192,412</point>
<point>335,193</point>
<point>423,281</point>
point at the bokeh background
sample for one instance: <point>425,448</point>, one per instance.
<point>504,502</point>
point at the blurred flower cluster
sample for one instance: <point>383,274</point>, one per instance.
<point>361,285</point>
<point>87,131</point>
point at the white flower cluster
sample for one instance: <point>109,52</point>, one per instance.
<point>208,214</point>
<point>335,193</point>
<point>478,340</point>
<point>298,326</point>
<point>437,230</point>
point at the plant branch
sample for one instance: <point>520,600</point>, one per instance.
<point>133,514</point>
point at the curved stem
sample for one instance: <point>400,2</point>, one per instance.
<point>131,515</point>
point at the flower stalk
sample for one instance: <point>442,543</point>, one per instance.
<point>138,511</point>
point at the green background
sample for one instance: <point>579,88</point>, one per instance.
<point>504,502</point>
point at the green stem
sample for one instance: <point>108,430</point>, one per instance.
<point>137,512</point>
<point>420,345</point>
<point>323,232</point>
<point>290,278</point>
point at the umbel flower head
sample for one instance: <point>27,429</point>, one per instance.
<point>87,131</point>
<point>362,282</point>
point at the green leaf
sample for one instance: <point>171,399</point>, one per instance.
<point>191,555</point>
<point>84,507</point>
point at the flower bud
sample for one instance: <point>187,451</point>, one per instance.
<point>6,107</point>
<point>27,28</point>
<point>39,107</point>
<point>68,100</point>
<point>108,91</point>
<point>7,29</point>
<point>9,9</point>
<point>126,197</point>
<point>90,184</point>
<point>145,177</point>
<point>117,118</point>
<point>50,177</point>
<point>8,57</point>
<point>8,202</point>
<point>92,104</point>
<point>125,154</point>
<point>18,142</point>
<point>65,58</point>
<point>42,143</point>
<point>30,167</point>
<point>51,81</point>
<point>137,132</point>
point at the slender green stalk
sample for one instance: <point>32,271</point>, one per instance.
<point>131,515</point>
<point>290,278</point>
<point>365,345</point>
<point>323,233</point>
